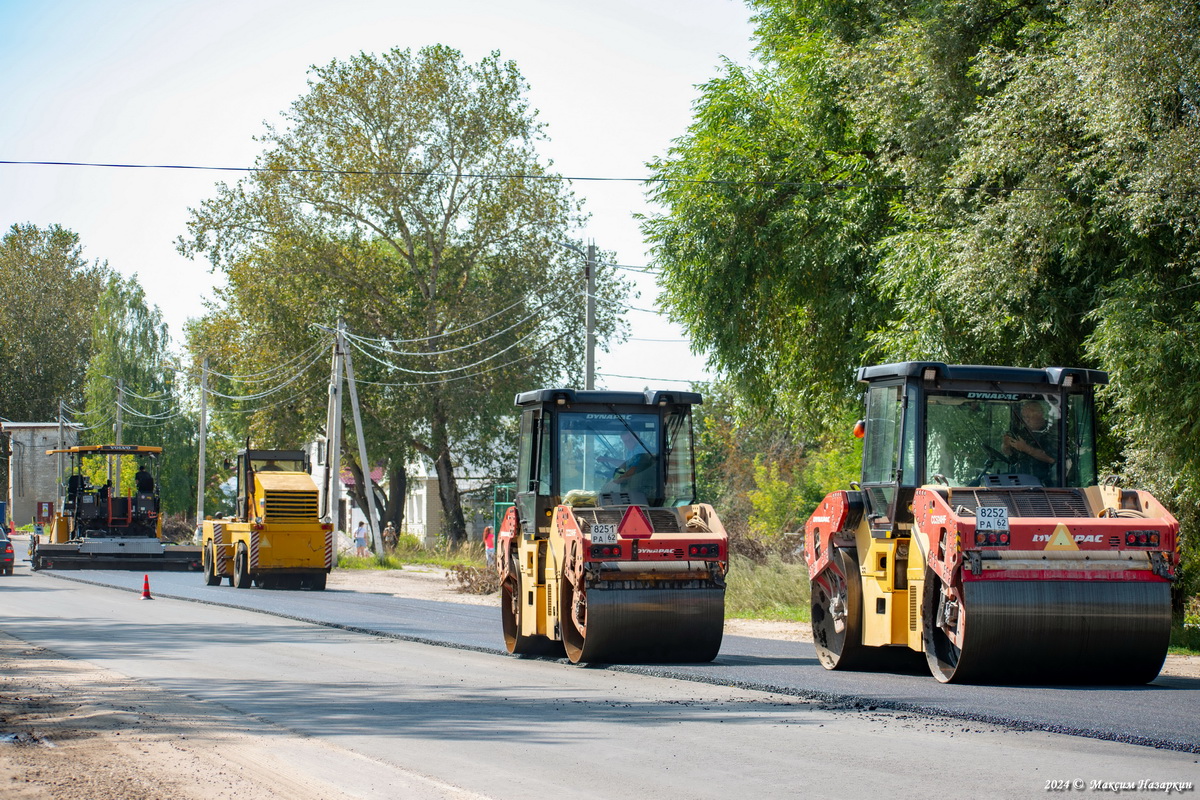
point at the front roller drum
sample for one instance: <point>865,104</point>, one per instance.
<point>1090,632</point>
<point>642,626</point>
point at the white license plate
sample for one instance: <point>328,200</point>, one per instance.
<point>991,518</point>
<point>603,534</point>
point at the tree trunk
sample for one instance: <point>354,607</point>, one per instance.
<point>443,465</point>
<point>357,492</point>
<point>397,493</point>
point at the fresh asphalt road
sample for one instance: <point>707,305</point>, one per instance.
<point>393,718</point>
<point>1163,714</point>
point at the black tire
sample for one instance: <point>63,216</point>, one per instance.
<point>510,620</point>
<point>241,568</point>
<point>837,613</point>
<point>318,582</point>
<point>208,557</point>
<point>941,654</point>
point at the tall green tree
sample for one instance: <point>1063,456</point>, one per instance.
<point>405,195</point>
<point>48,292</point>
<point>971,180</point>
<point>131,346</point>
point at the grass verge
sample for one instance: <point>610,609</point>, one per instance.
<point>770,590</point>
<point>409,551</point>
<point>1185,639</point>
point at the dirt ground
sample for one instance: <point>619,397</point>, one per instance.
<point>126,740</point>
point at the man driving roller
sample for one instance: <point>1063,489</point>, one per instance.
<point>1031,442</point>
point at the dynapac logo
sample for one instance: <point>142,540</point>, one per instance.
<point>1079,537</point>
<point>990,396</point>
<point>820,519</point>
<point>660,551</point>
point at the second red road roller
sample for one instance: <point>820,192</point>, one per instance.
<point>980,536</point>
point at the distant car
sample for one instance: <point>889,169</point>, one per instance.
<point>6,554</point>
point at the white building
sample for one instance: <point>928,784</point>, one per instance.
<point>32,475</point>
<point>423,516</point>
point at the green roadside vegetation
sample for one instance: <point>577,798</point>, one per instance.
<point>773,589</point>
<point>409,550</point>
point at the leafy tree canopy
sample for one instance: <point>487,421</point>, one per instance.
<point>406,196</point>
<point>47,295</point>
<point>976,181</point>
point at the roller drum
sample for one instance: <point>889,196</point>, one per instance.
<point>650,625</point>
<point>1055,632</point>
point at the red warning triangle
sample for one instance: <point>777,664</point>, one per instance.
<point>635,524</point>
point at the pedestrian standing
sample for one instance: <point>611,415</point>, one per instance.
<point>389,538</point>
<point>489,545</point>
<point>360,539</point>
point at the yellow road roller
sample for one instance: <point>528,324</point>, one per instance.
<point>980,536</point>
<point>606,555</point>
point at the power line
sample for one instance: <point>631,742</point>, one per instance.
<point>518,342</point>
<point>257,377</point>
<point>385,341</point>
<point>823,185</point>
<point>296,376</point>
<point>617,304</point>
<point>641,378</point>
<point>452,380</point>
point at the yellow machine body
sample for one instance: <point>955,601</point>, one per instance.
<point>279,540</point>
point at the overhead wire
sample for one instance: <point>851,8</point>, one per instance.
<point>450,380</point>
<point>166,415</point>
<point>641,378</point>
<point>443,371</point>
<point>617,304</point>
<point>388,340</point>
<point>824,185</point>
<point>536,311</point>
<point>165,398</point>
<point>294,397</point>
<point>268,392</point>
<point>258,377</point>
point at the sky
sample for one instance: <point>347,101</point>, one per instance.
<point>173,82</point>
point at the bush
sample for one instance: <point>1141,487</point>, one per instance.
<point>178,528</point>
<point>473,580</point>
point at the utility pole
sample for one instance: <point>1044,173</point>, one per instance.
<point>61,444</point>
<point>368,487</point>
<point>333,429</point>
<point>119,429</point>
<point>590,318</point>
<point>202,443</point>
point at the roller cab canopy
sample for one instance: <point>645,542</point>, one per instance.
<point>598,448</point>
<point>108,450</point>
<point>930,423</point>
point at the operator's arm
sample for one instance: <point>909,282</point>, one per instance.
<point>1030,449</point>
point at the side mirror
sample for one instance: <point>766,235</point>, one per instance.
<point>225,463</point>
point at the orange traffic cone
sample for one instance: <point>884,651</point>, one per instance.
<point>146,589</point>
